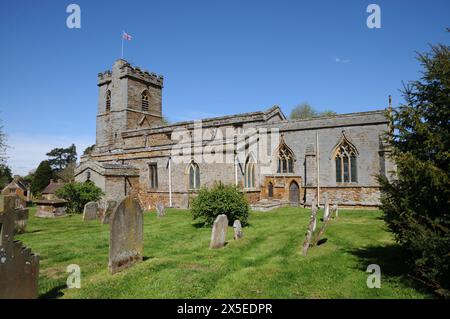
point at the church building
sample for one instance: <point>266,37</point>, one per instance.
<point>273,160</point>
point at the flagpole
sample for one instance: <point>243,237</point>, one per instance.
<point>121,56</point>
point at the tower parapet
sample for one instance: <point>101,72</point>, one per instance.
<point>136,73</point>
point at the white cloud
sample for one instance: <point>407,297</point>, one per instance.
<point>343,61</point>
<point>27,151</point>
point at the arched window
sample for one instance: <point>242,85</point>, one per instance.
<point>194,176</point>
<point>145,99</point>
<point>249,173</point>
<point>108,101</point>
<point>285,158</point>
<point>345,159</point>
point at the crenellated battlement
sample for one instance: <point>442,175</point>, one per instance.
<point>127,70</point>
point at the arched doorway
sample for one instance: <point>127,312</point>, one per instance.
<point>270,190</point>
<point>294,194</point>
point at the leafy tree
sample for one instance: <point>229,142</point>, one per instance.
<point>165,120</point>
<point>3,145</point>
<point>61,157</point>
<point>67,174</point>
<point>42,177</point>
<point>5,176</point>
<point>327,113</point>
<point>416,201</point>
<point>305,111</point>
<point>78,195</point>
<point>89,150</point>
<point>220,199</point>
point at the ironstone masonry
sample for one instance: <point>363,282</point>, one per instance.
<point>135,152</point>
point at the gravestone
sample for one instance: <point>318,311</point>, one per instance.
<point>335,211</point>
<point>110,206</point>
<point>19,267</point>
<point>126,235</point>
<point>326,210</point>
<point>160,210</point>
<point>311,227</point>
<point>22,219</point>
<point>90,211</point>
<point>219,232</point>
<point>237,227</point>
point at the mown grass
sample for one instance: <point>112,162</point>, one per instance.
<point>266,263</point>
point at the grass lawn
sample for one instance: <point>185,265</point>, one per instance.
<point>266,263</point>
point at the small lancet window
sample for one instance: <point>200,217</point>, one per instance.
<point>249,173</point>
<point>194,176</point>
<point>145,99</point>
<point>108,101</point>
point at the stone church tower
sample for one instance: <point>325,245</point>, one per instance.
<point>128,99</point>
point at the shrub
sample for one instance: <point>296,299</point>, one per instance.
<point>78,195</point>
<point>220,199</point>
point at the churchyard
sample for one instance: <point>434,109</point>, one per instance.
<point>266,261</point>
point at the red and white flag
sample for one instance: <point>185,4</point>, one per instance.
<point>126,36</point>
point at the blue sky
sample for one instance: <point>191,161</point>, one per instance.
<point>218,57</point>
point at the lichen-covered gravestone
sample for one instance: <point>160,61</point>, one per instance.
<point>19,267</point>
<point>110,206</point>
<point>90,211</point>
<point>219,232</point>
<point>311,228</point>
<point>160,210</point>
<point>237,227</point>
<point>126,235</point>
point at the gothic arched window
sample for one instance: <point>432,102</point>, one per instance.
<point>194,176</point>
<point>145,99</point>
<point>108,101</point>
<point>285,158</point>
<point>345,158</point>
<point>249,173</point>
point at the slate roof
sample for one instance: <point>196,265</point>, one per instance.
<point>52,187</point>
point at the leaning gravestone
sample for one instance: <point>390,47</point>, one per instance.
<point>311,227</point>
<point>237,227</point>
<point>126,235</point>
<point>219,232</point>
<point>160,210</point>
<point>335,211</point>
<point>90,211</point>
<point>326,210</point>
<point>19,267</point>
<point>110,206</point>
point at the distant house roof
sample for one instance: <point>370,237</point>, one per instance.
<point>53,187</point>
<point>17,182</point>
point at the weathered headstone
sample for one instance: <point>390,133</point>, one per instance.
<point>219,232</point>
<point>19,267</point>
<point>126,235</point>
<point>237,227</point>
<point>335,211</point>
<point>311,227</point>
<point>90,211</point>
<point>326,210</point>
<point>21,221</point>
<point>110,206</point>
<point>160,210</point>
